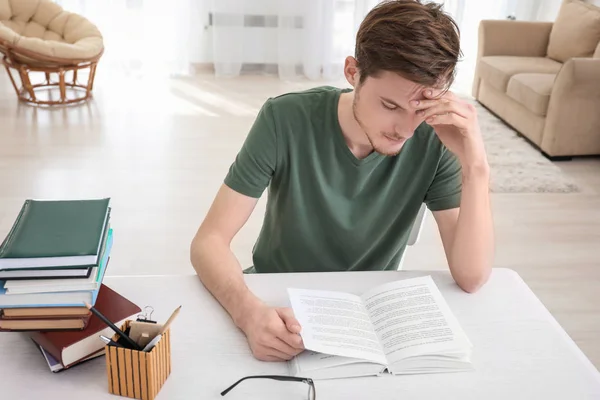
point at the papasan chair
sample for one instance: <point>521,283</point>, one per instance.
<point>39,36</point>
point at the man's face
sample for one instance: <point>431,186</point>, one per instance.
<point>382,108</point>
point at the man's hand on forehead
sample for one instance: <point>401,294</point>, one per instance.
<point>454,121</point>
<point>436,104</point>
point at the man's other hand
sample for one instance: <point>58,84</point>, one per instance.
<point>273,333</point>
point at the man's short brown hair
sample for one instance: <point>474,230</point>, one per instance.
<point>417,41</point>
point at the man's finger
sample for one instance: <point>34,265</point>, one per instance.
<point>291,323</point>
<point>433,93</point>
<point>281,356</point>
<point>272,358</point>
<point>292,339</point>
<point>447,119</point>
<point>424,104</point>
<point>283,347</point>
<point>433,97</point>
<point>442,108</point>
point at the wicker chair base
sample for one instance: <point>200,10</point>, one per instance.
<point>29,92</point>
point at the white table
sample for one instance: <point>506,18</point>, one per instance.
<point>520,352</point>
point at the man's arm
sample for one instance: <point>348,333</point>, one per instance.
<point>212,258</point>
<point>271,332</point>
<point>467,232</point>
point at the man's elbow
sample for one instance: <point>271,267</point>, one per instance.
<point>473,282</point>
<point>196,250</point>
<point>202,246</point>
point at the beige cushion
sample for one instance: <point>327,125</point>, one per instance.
<point>576,31</point>
<point>43,27</point>
<point>528,124</point>
<point>497,70</point>
<point>532,91</point>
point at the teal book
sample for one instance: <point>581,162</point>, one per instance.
<point>56,233</point>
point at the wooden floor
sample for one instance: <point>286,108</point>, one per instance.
<point>161,150</point>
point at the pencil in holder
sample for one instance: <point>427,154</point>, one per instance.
<point>138,374</point>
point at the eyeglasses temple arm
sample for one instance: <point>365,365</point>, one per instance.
<point>275,377</point>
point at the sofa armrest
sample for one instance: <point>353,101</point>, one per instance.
<point>573,118</point>
<point>597,52</point>
<point>513,38</point>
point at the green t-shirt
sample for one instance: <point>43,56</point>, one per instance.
<point>326,209</point>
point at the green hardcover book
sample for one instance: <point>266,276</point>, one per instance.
<point>56,233</point>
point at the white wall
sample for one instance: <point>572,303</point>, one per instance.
<point>201,46</point>
<point>542,10</point>
<point>475,10</point>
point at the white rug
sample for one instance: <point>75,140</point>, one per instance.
<point>515,165</point>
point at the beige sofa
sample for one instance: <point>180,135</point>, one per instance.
<point>543,78</point>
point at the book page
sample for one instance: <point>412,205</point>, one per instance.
<point>335,323</point>
<point>311,364</point>
<point>412,318</point>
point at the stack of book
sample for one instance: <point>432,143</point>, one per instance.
<point>65,349</point>
<point>52,262</point>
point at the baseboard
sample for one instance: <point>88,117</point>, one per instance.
<point>203,67</point>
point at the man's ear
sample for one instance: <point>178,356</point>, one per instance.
<point>351,71</point>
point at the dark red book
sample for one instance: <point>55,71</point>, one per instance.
<point>69,347</point>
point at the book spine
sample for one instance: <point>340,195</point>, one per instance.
<point>5,246</point>
<point>43,341</point>
<point>45,330</point>
<point>86,321</point>
<point>38,317</point>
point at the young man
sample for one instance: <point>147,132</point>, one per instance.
<point>347,171</point>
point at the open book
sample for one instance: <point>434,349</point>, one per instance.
<point>401,327</point>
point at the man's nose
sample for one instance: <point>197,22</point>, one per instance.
<point>407,126</point>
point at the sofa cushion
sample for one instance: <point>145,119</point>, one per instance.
<point>532,91</point>
<point>497,70</point>
<point>576,31</point>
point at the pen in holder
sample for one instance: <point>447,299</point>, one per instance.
<point>138,374</point>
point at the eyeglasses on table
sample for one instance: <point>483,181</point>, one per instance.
<point>312,394</point>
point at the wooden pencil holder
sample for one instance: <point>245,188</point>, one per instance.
<point>138,374</point>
